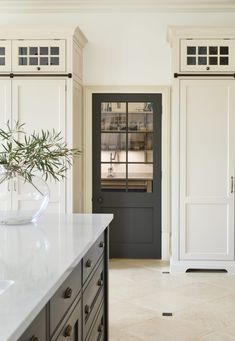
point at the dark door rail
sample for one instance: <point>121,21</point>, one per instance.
<point>176,75</point>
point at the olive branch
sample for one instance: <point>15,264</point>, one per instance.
<point>27,154</point>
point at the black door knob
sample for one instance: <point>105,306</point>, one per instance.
<point>100,200</point>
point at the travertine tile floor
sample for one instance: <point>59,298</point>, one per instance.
<point>203,304</point>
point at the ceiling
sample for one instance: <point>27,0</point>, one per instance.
<point>15,6</point>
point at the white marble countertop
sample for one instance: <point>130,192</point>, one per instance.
<point>36,259</point>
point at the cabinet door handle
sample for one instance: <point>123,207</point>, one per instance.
<point>100,282</point>
<point>87,309</point>
<point>68,293</point>
<point>68,330</point>
<point>101,244</point>
<point>88,263</point>
<point>232,184</point>
<point>100,328</point>
<point>34,338</point>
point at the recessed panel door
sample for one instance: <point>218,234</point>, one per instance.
<point>207,169</point>
<point>40,105</point>
<point>127,171</point>
<point>5,116</point>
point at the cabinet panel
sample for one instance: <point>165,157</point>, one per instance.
<point>5,115</point>
<point>206,167</point>
<point>72,329</point>
<point>97,330</point>
<point>40,104</point>
<point>207,55</point>
<point>64,297</point>
<point>92,298</point>
<point>38,55</point>
<point>37,329</point>
<point>92,256</point>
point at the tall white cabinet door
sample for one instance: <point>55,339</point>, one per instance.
<point>40,104</point>
<point>5,115</point>
<point>207,110</point>
<point>5,101</point>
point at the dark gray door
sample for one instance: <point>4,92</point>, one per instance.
<point>127,171</point>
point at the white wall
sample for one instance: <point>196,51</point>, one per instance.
<point>124,48</point>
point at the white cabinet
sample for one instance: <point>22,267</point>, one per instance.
<point>41,104</point>
<point>38,55</point>
<point>207,152</point>
<point>203,149</point>
<point>42,87</point>
<point>210,55</point>
<point>5,55</point>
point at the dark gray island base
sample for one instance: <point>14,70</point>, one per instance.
<point>78,311</point>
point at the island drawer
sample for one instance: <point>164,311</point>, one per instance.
<point>92,297</point>
<point>97,330</point>
<point>92,256</point>
<point>64,297</point>
<point>37,329</point>
<point>72,326</point>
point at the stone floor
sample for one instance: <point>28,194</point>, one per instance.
<point>202,303</point>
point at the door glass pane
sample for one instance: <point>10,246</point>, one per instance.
<point>113,116</point>
<point>2,60</point>
<point>140,178</point>
<point>113,177</point>
<point>113,147</point>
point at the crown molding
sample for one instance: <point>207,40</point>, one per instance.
<point>98,6</point>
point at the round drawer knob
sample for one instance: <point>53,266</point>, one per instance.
<point>87,309</point>
<point>101,328</point>
<point>68,330</point>
<point>38,68</point>
<point>100,282</point>
<point>101,244</point>
<point>208,68</point>
<point>34,338</point>
<point>88,263</point>
<point>68,293</point>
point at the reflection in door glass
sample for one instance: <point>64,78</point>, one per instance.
<point>113,177</point>
<point>113,147</point>
<point>140,178</point>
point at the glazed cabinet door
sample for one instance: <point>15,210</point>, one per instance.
<point>207,109</point>
<point>40,104</point>
<point>38,56</point>
<point>5,55</point>
<point>5,116</point>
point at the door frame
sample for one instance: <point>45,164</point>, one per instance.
<point>166,143</point>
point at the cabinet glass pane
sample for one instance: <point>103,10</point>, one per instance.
<point>33,51</point>
<point>2,60</point>
<point>2,51</point>
<point>23,51</point>
<point>55,61</point>
<point>55,50</point>
<point>224,50</point>
<point>43,51</point>
<point>23,61</point>
<point>202,50</point>
<point>114,143</point>
<point>44,61</point>
<point>33,61</point>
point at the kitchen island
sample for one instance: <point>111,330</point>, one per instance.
<point>54,278</point>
